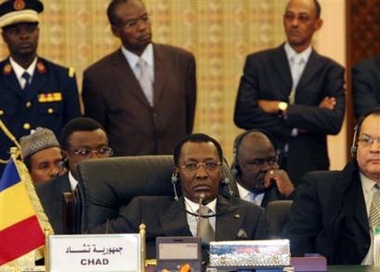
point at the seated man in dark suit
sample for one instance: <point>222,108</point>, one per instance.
<point>81,139</point>
<point>198,169</point>
<point>335,212</point>
<point>258,177</point>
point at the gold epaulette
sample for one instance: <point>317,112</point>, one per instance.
<point>71,72</point>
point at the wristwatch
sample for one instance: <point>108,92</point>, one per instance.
<point>282,106</point>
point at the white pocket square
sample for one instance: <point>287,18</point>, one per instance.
<point>242,234</point>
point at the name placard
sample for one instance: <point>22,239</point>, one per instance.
<point>95,252</point>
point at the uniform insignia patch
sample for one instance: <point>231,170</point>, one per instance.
<point>49,97</point>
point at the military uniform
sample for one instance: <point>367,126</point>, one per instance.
<point>50,101</point>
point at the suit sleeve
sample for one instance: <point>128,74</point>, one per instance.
<point>247,113</point>
<point>72,103</point>
<point>94,106</point>
<point>191,93</point>
<point>365,85</point>
<point>314,119</point>
<point>305,222</point>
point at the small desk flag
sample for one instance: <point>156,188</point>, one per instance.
<point>20,230</point>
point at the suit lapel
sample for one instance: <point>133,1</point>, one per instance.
<point>174,221</point>
<point>311,69</point>
<point>281,65</point>
<point>159,72</point>
<point>228,220</point>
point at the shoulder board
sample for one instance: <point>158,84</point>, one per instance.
<point>71,72</point>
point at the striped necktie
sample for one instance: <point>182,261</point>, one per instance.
<point>374,218</point>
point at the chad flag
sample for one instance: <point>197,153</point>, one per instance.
<point>20,231</point>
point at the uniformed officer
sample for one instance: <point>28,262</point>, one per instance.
<point>34,92</point>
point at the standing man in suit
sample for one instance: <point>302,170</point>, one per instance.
<point>144,93</point>
<point>294,93</point>
<point>334,212</point>
<point>34,92</point>
<point>258,177</point>
<point>366,85</point>
<point>198,169</point>
<point>81,139</point>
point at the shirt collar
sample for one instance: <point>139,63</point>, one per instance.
<point>367,183</point>
<point>132,58</point>
<point>290,53</point>
<point>193,207</point>
<point>19,70</point>
<point>73,181</point>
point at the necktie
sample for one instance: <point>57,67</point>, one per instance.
<point>204,229</point>
<point>27,77</point>
<point>145,81</point>
<point>374,214</point>
<point>296,65</point>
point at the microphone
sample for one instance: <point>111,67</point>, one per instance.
<point>201,198</point>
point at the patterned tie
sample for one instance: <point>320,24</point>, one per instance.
<point>27,77</point>
<point>296,63</point>
<point>204,228</point>
<point>144,79</point>
<point>374,215</point>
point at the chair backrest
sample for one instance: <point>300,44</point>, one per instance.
<point>277,215</point>
<point>105,185</point>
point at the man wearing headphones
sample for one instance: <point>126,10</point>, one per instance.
<point>198,170</point>
<point>334,213</point>
<point>258,177</point>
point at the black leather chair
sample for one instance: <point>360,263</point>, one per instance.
<point>105,185</point>
<point>277,215</point>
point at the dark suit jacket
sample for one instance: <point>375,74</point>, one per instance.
<point>267,76</point>
<point>50,101</point>
<point>236,219</point>
<point>271,195</point>
<point>366,85</point>
<point>50,194</point>
<point>113,96</point>
<point>329,217</point>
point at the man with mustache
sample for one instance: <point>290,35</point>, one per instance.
<point>34,92</point>
<point>199,174</point>
<point>258,177</point>
<point>144,93</point>
<point>294,93</point>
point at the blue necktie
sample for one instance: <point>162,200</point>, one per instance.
<point>27,77</point>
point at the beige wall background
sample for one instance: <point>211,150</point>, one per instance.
<point>220,33</point>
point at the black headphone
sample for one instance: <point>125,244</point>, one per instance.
<point>235,169</point>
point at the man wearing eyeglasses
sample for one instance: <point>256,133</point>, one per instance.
<point>294,93</point>
<point>144,93</point>
<point>81,139</point>
<point>258,177</point>
<point>335,213</point>
<point>198,170</point>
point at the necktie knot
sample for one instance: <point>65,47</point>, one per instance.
<point>27,77</point>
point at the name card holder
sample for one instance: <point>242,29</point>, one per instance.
<point>94,252</point>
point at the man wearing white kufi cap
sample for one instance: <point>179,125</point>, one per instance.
<point>34,92</point>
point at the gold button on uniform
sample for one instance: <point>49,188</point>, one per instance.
<point>28,104</point>
<point>50,110</point>
<point>26,126</point>
<point>1,112</point>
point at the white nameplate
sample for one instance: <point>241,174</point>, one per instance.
<point>95,252</point>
